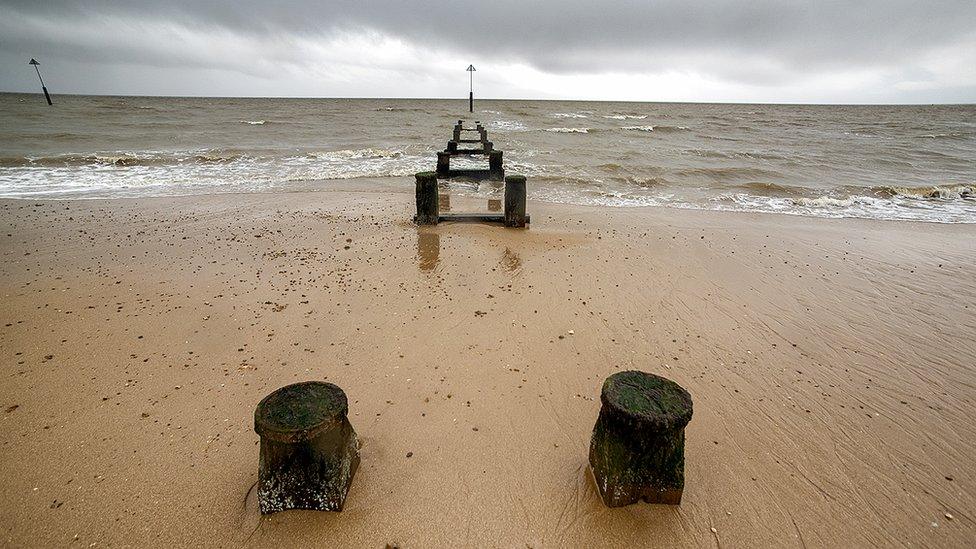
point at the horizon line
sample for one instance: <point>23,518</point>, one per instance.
<point>465,99</point>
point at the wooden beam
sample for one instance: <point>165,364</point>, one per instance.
<point>473,174</point>
<point>475,217</point>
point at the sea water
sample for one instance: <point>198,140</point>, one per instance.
<point>878,162</point>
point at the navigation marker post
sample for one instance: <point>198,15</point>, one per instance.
<point>43,87</point>
<point>471,70</point>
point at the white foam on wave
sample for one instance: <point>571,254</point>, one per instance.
<point>831,202</point>
<point>155,173</point>
<point>568,115</point>
<point>947,192</point>
<point>254,122</point>
<point>854,206</point>
<point>597,192</point>
<point>507,125</point>
<point>348,154</point>
<point>119,158</point>
<point>190,172</point>
<point>568,130</point>
<point>625,116</point>
<point>640,128</point>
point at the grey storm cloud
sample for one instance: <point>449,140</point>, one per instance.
<point>755,43</point>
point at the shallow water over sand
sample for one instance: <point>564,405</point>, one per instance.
<point>881,162</point>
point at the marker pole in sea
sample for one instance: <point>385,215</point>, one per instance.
<point>43,87</point>
<point>471,70</point>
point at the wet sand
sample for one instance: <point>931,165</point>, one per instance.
<point>831,364</point>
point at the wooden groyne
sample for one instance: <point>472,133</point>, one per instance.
<point>479,146</point>
<point>462,145</point>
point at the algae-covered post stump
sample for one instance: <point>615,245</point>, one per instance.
<point>427,207</point>
<point>515,201</point>
<point>638,444</point>
<point>309,451</point>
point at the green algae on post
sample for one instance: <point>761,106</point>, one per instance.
<point>515,200</point>
<point>427,206</point>
<point>637,447</point>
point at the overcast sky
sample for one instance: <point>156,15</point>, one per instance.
<point>826,51</point>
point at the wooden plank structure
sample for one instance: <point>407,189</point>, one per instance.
<point>495,171</point>
<point>427,192</point>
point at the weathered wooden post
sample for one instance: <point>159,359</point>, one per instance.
<point>637,448</point>
<point>515,201</point>
<point>452,146</point>
<point>457,132</point>
<point>443,163</point>
<point>487,146</point>
<point>309,451</point>
<point>427,204</point>
<point>495,168</point>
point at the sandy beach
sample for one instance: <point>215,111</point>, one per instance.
<point>831,363</point>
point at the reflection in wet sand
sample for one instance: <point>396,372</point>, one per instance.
<point>511,261</point>
<point>444,201</point>
<point>428,250</point>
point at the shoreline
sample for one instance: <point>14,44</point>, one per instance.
<point>830,362</point>
<point>403,185</point>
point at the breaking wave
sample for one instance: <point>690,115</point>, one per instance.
<point>831,202</point>
<point>350,154</point>
<point>116,159</point>
<point>766,188</point>
<point>670,129</point>
<point>507,125</point>
<point>114,175</point>
<point>659,128</point>
<point>568,130</point>
<point>946,192</point>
